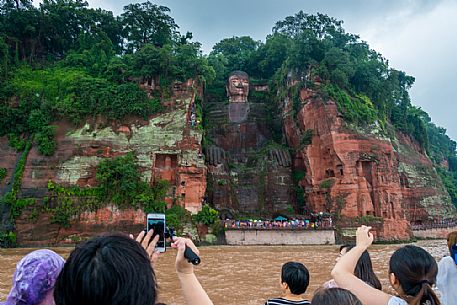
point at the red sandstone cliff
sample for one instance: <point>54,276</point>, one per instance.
<point>166,146</point>
<point>362,175</point>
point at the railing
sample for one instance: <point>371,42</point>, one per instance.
<point>438,224</point>
<point>278,225</point>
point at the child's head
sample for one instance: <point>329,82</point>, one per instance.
<point>296,276</point>
<point>414,270</point>
<point>333,296</point>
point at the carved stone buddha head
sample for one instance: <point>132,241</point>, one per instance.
<point>238,87</point>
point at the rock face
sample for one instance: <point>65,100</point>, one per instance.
<point>358,175</point>
<point>362,175</point>
<point>166,146</point>
<point>247,174</point>
<point>40,231</point>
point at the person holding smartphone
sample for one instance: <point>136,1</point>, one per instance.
<point>116,269</point>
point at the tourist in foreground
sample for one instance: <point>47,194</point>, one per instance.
<point>34,278</point>
<point>335,296</point>
<point>294,282</point>
<point>412,272</point>
<point>117,270</point>
<point>446,280</point>
<point>363,269</point>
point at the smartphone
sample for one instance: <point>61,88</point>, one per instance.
<point>157,223</point>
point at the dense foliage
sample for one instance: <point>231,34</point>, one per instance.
<point>207,215</point>
<point>64,60</point>
<point>120,183</point>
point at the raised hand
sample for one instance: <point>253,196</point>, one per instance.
<point>148,243</point>
<point>364,238</point>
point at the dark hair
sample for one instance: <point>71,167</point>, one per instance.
<point>416,272</point>
<point>296,276</point>
<point>364,268</point>
<point>107,270</point>
<point>332,296</point>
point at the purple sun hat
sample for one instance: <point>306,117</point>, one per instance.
<point>35,276</point>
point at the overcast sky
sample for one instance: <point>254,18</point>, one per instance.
<point>416,36</point>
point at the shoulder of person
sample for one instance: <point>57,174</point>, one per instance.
<point>396,301</point>
<point>447,260</point>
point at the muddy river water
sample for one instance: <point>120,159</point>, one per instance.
<point>240,274</point>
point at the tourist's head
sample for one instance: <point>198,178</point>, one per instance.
<point>412,273</point>
<point>295,276</point>
<point>34,278</point>
<point>238,86</point>
<point>107,270</point>
<point>332,296</point>
<point>451,240</point>
<point>364,268</point>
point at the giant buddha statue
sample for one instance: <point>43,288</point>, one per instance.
<point>244,175</point>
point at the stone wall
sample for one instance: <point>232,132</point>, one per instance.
<point>279,237</point>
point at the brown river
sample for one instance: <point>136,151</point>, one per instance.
<point>240,274</point>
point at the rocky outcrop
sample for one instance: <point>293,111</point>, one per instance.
<point>362,175</point>
<point>167,146</point>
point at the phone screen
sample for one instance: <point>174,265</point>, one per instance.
<point>158,225</point>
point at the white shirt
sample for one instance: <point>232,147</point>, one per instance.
<point>446,281</point>
<point>396,301</point>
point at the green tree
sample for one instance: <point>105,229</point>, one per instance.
<point>119,178</point>
<point>207,215</point>
<point>237,51</point>
<point>145,23</point>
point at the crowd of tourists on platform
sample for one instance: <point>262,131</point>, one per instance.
<point>117,269</point>
<point>280,222</point>
<point>436,224</point>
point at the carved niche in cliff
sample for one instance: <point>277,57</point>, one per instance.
<point>244,175</point>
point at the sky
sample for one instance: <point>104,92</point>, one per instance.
<point>416,36</point>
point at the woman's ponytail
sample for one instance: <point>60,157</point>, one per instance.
<point>425,296</point>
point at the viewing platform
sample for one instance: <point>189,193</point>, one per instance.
<point>280,236</point>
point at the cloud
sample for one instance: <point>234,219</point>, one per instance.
<point>424,45</point>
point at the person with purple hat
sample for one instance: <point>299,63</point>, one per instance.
<point>34,279</point>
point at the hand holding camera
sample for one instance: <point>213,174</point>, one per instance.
<point>186,251</point>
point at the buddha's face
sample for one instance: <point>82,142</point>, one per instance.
<point>238,88</point>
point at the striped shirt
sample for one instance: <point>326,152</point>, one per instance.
<point>282,301</point>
